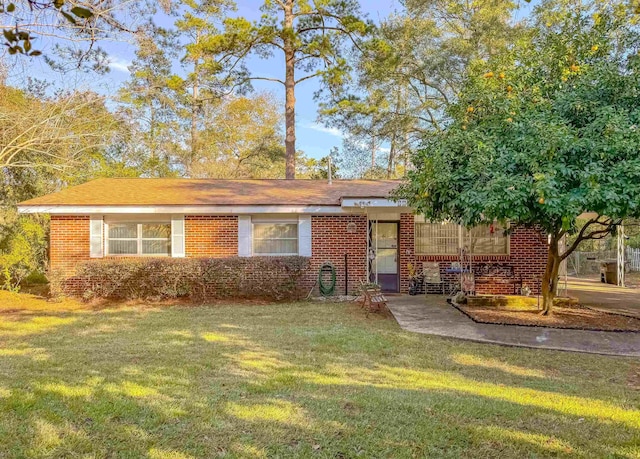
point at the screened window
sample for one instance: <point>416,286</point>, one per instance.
<point>488,239</point>
<point>437,238</point>
<point>139,239</point>
<point>275,238</point>
<point>449,238</point>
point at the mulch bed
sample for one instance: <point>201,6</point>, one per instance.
<point>574,317</point>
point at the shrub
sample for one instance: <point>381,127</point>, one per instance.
<point>199,279</point>
<point>35,278</point>
<point>22,251</point>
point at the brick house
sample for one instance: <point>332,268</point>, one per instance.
<point>352,224</point>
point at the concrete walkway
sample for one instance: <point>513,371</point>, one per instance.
<point>433,316</point>
<point>610,298</point>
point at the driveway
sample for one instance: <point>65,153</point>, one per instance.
<point>432,315</point>
<point>611,298</point>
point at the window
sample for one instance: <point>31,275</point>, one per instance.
<point>448,238</point>
<point>487,239</point>
<point>139,239</point>
<point>437,238</point>
<point>275,238</point>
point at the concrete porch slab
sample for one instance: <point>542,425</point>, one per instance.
<point>433,316</point>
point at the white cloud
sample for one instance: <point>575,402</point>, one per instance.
<point>119,65</point>
<point>327,130</point>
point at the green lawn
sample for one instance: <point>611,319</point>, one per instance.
<point>293,380</point>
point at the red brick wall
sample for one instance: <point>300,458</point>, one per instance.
<point>69,243</point>
<point>330,240</point>
<point>527,256</point>
<point>211,236</point>
<point>217,236</point>
<point>407,249</point>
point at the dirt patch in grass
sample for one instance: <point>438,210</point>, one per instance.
<point>573,316</point>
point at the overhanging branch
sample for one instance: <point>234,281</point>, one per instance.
<point>592,235</point>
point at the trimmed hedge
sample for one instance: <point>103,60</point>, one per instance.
<point>199,279</point>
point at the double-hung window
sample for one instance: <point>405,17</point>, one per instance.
<point>275,238</point>
<point>131,238</point>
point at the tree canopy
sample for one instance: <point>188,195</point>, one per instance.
<point>543,133</point>
<point>411,67</point>
<point>310,34</point>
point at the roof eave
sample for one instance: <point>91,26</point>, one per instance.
<point>181,209</point>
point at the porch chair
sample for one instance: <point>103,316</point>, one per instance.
<point>431,276</point>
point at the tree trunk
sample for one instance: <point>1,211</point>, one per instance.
<point>195,112</point>
<point>290,96</point>
<point>392,156</point>
<point>550,279</point>
<point>152,131</point>
<point>374,150</point>
<point>405,155</point>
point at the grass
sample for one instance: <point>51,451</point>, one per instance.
<point>292,380</point>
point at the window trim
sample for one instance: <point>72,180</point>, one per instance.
<point>275,222</point>
<point>461,240</point>
<point>139,239</point>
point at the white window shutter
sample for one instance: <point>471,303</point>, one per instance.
<point>177,236</point>
<point>304,235</point>
<point>96,247</point>
<point>245,243</point>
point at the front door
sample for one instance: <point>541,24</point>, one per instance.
<point>384,247</point>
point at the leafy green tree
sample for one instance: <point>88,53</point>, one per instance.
<point>361,158</point>
<point>241,137</point>
<point>317,169</point>
<point>52,133</point>
<point>149,103</point>
<point>310,34</point>
<point>22,252</point>
<point>47,143</point>
<point>203,85</point>
<point>543,134</point>
<point>412,67</point>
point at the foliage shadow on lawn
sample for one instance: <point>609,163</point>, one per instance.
<point>252,381</point>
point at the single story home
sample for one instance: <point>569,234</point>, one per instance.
<point>352,224</point>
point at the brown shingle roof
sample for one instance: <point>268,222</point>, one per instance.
<point>193,192</point>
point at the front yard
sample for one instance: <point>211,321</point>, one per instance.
<point>293,380</point>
